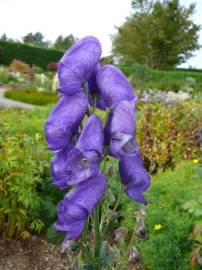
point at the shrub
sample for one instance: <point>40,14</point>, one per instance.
<point>4,75</point>
<point>139,75</point>
<point>22,160</point>
<point>168,134</point>
<point>32,97</point>
<point>27,198</point>
<point>19,66</point>
<point>169,247</point>
<point>29,54</point>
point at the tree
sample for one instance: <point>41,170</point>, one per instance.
<point>36,39</point>
<point>63,43</point>
<point>4,37</point>
<point>158,34</point>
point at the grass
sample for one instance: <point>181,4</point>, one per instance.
<point>170,247</point>
<point>32,97</point>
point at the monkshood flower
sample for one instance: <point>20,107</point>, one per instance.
<point>114,86</point>
<point>78,205</point>
<point>94,96</point>
<point>77,64</point>
<point>64,120</point>
<point>77,163</point>
<point>84,159</point>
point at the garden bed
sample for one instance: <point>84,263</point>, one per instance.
<point>33,254</point>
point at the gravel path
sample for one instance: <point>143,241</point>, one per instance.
<point>8,103</point>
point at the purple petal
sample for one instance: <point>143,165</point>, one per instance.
<point>81,165</point>
<point>114,86</point>
<point>58,168</point>
<point>94,91</point>
<point>71,218</point>
<point>64,120</point>
<point>123,128</point>
<point>83,57</point>
<point>92,136</point>
<point>78,204</point>
<point>134,176</point>
<point>69,82</point>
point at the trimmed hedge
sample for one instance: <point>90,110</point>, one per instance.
<point>29,54</point>
<point>32,97</point>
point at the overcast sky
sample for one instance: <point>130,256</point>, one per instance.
<point>79,17</point>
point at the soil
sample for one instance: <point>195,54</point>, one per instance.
<point>32,254</point>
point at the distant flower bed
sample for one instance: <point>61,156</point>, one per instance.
<point>32,97</point>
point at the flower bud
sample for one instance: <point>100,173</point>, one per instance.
<point>74,246</point>
<point>110,171</point>
<point>65,247</point>
<point>140,213</point>
<point>141,230</point>
<point>120,233</point>
<point>134,256</point>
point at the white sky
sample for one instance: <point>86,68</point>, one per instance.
<point>79,17</point>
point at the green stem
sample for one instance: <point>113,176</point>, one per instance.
<point>97,238</point>
<point>118,198</point>
<point>85,233</point>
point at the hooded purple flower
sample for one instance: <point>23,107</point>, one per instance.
<point>76,164</point>
<point>78,205</point>
<point>94,91</point>
<point>134,176</point>
<point>64,120</point>
<point>83,161</point>
<point>114,86</point>
<point>78,63</point>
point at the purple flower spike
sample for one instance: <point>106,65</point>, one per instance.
<point>78,63</point>
<point>123,129</point>
<point>83,161</point>
<point>114,86</point>
<point>78,205</point>
<point>134,176</point>
<point>94,91</point>
<point>64,120</point>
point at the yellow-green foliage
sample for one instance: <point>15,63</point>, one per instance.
<point>168,134</point>
<point>22,160</point>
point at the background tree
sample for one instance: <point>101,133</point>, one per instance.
<point>158,34</point>
<point>36,39</point>
<point>63,43</point>
<point>4,37</point>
